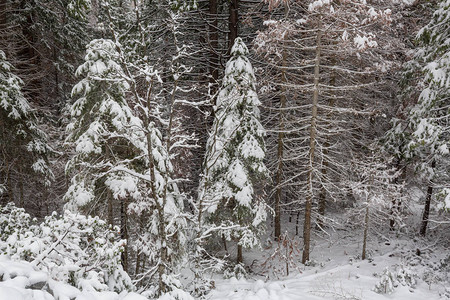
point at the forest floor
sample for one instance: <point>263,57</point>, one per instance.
<point>413,269</point>
<point>336,270</point>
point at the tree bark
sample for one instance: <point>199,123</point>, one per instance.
<point>9,183</point>
<point>366,229</point>
<point>214,45</point>
<point>395,203</point>
<point>279,177</point>
<point>21,192</point>
<point>233,24</point>
<point>110,208</point>
<point>312,146</point>
<point>124,231</point>
<point>224,241</point>
<point>323,192</point>
<point>239,258</point>
<point>426,211</point>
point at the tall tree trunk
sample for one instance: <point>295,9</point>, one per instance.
<point>9,183</point>
<point>312,146</point>
<point>140,257</point>
<point>279,176</point>
<point>224,241</point>
<point>21,192</point>
<point>233,24</point>
<point>366,229</point>
<point>239,258</point>
<point>109,196</point>
<point>124,231</point>
<point>426,211</point>
<point>163,288</point>
<point>396,203</point>
<point>3,19</point>
<point>214,45</point>
<point>323,192</point>
<point>110,208</point>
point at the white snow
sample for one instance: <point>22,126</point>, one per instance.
<point>19,278</point>
<point>335,274</point>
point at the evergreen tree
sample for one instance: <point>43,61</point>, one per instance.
<point>234,157</point>
<point>126,132</point>
<point>23,146</point>
<point>423,137</point>
<point>430,118</point>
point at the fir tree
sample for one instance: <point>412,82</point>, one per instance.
<point>423,137</point>
<point>23,145</point>
<point>234,157</point>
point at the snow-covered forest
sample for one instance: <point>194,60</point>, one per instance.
<point>224,149</point>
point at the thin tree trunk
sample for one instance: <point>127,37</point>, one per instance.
<point>323,192</point>
<point>426,211</point>
<point>396,203</point>
<point>366,229</point>
<point>163,288</point>
<point>124,231</point>
<point>214,45</point>
<point>9,183</point>
<point>233,24</point>
<point>139,256</point>
<point>110,208</point>
<point>312,146</point>
<point>138,263</point>
<point>322,195</point>
<point>224,241</point>
<point>21,197</point>
<point>239,258</point>
<point>109,196</point>
<point>279,177</point>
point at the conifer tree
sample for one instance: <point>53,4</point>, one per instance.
<point>23,146</point>
<point>423,137</point>
<point>430,118</point>
<point>127,135</point>
<point>234,158</point>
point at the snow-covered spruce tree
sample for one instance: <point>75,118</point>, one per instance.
<point>423,137</point>
<point>233,167</point>
<point>136,153</point>
<point>104,136</point>
<point>23,146</point>
<point>430,118</point>
<point>387,283</point>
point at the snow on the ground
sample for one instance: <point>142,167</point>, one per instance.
<point>337,272</point>
<point>20,281</point>
<point>345,282</point>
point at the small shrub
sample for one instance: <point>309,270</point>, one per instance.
<point>387,283</point>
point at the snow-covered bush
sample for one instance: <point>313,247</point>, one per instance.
<point>286,256</point>
<point>406,277</point>
<point>16,232</point>
<point>237,270</point>
<point>79,250</point>
<point>390,280</point>
<point>430,277</point>
<point>446,294</point>
<point>387,283</point>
